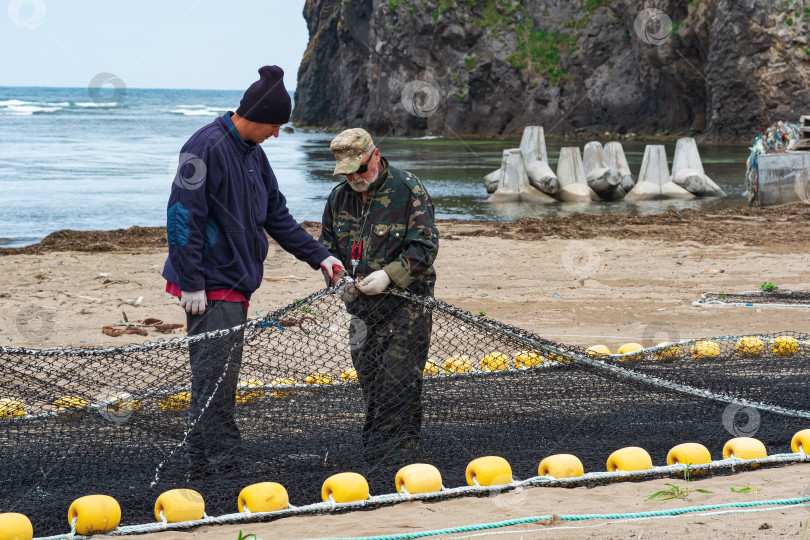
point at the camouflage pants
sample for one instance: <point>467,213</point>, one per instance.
<point>389,361</point>
<point>215,439</point>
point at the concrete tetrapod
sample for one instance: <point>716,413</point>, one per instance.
<point>533,144</point>
<point>514,185</point>
<point>654,182</point>
<point>687,170</point>
<point>535,157</point>
<point>604,180</point>
<point>615,158</point>
<point>493,180</point>
<point>542,177</point>
<point>535,161</point>
<point>571,174</point>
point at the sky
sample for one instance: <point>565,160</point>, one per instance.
<point>199,44</point>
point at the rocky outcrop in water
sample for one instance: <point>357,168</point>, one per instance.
<point>722,68</point>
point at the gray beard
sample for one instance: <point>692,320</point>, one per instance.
<point>361,188</point>
<point>363,185</point>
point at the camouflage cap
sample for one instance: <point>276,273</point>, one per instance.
<point>349,147</point>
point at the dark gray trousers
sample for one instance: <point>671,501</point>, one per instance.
<point>389,358</point>
<point>214,441</point>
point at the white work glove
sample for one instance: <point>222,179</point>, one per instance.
<point>346,290</point>
<point>332,267</point>
<point>374,283</point>
<point>193,301</point>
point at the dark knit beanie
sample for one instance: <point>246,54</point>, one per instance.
<point>267,101</point>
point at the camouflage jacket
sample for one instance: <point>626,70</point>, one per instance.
<point>396,226</point>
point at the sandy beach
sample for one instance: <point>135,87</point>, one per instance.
<point>579,280</point>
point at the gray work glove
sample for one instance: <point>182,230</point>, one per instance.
<point>193,301</point>
<point>346,289</point>
<point>374,283</point>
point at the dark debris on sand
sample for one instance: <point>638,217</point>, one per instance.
<point>741,225</point>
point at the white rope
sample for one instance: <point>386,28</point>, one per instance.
<point>391,498</point>
<point>604,366</point>
<point>709,303</point>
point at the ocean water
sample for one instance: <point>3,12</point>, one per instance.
<point>73,159</point>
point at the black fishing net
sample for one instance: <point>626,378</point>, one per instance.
<point>121,426</point>
<point>779,297</point>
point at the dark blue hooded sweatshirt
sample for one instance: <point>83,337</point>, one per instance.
<point>224,196</point>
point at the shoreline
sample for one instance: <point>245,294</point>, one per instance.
<point>573,226</point>
<point>580,279</point>
<point>579,134</point>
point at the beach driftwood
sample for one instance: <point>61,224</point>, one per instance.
<point>615,158</point>
<point>535,163</point>
<point>571,174</point>
<point>654,181</point>
<point>687,170</point>
<point>514,184</point>
<point>605,181</point>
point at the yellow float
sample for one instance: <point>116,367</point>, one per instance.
<point>629,348</point>
<point>689,454</point>
<point>489,471</point>
<point>95,514</point>
<point>668,354</point>
<point>750,346</point>
<point>250,391</point>
<point>179,505</point>
<point>178,401</point>
<point>801,441</point>
<point>418,478</point>
<point>556,357</point>
<point>458,364</point>
<point>431,369</point>
<point>70,408</point>
<point>631,458</point>
<point>744,448</point>
<point>283,393</point>
<point>527,359</point>
<point>598,351</point>
<point>263,497</point>
<point>123,403</point>
<point>345,487</point>
<point>319,379</point>
<point>11,408</point>
<point>561,466</point>
<point>15,526</point>
<point>784,346</point>
<point>350,375</point>
<point>495,361</point>
<point>705,349</point>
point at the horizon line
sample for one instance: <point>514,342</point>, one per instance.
<point>136,88</point>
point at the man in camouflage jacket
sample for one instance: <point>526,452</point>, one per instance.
<point>380,223</point>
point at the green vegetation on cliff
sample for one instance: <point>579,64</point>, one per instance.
<point>538,52</point>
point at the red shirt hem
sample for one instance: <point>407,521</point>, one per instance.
<point>229,295</point>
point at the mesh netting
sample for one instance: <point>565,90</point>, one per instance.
<point>776,297</point>
<point>123,429</point>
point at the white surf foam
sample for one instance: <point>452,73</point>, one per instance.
<point>198,110</point>
<point>91,104</point>
<point>21,110</point>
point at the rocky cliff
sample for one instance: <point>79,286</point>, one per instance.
<point>722,68</point>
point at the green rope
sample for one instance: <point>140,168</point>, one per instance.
<point>575,517</point>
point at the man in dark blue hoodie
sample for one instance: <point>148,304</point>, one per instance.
<point>223,199</point>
